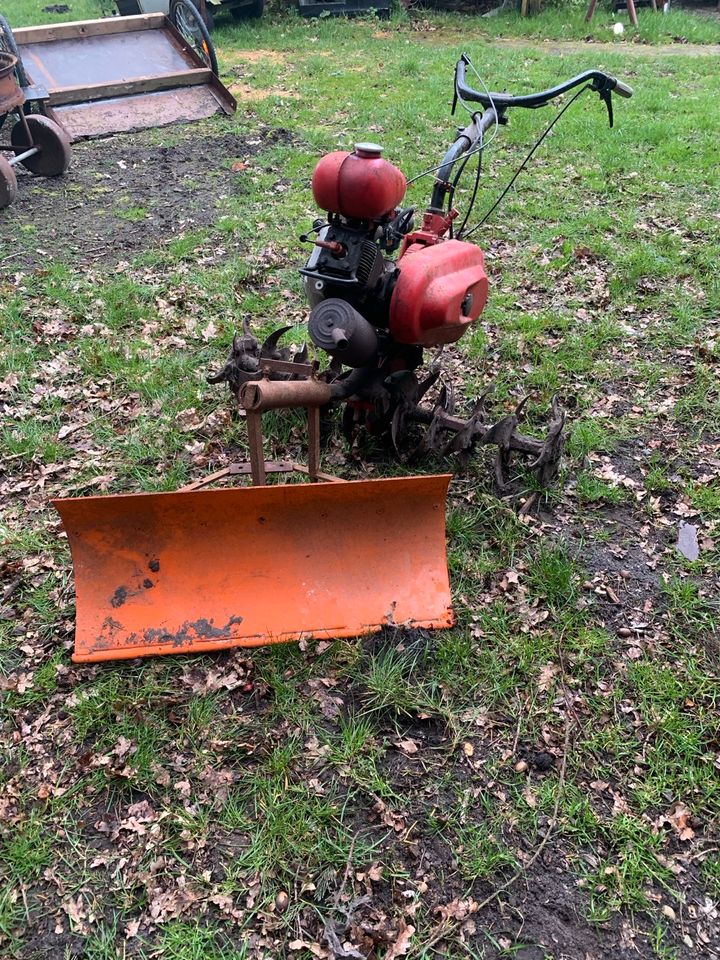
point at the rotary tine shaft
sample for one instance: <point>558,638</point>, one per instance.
<point>547,461</point>
<point>432,441</point>
<point>463,441</point>
<point>544,454</point>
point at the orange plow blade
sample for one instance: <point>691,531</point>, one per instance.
<point>180,572</point>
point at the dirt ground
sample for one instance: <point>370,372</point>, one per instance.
<point>146,189</point>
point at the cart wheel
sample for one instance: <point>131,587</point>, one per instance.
<point>8,184</point>
<point>252,10</point>
<point>54,157</point>
<point>185,16</point>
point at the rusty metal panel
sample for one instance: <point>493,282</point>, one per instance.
<point>206,570</point>
<point>139,112</point>
<point>120,74</point>
<point>11,96</point>
<point>89,61</point>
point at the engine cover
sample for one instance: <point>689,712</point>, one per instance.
<point>439,291</point>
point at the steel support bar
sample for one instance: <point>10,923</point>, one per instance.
<point>23,156</point>
<point>313,416</point>
<point>257,456</point>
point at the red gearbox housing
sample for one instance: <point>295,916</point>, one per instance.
<point>441,289</point>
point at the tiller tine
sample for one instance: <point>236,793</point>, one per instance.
<point>463,441</point>
<point>501,434</point>
<point>428,382</point>
<point>548,459</point>
<point>433,440</point>
<point>270,347</point>
<point>247,354</point>
<point>465,435</point>
<point>172,572</point>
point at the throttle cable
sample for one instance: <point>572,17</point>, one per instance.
<point>527,159</point>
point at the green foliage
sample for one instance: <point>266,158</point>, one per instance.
<point>589,436</point>
<point>483,852</point>
<point>553,575</point>
<point>591,489</point>
<point>194,941</point>
<point>12,915</point>
<point>28,850</point>
<point>621,878</point>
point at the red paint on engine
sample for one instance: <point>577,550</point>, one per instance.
<point>359,185</point>
<point>441,289</point>
<point>434,228</point>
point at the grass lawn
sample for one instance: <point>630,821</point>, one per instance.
<point>561,22</point>
<point>381,793</point>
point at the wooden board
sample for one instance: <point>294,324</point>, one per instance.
<point>106,91</point>
<point>119,63</point>
<point>80,29</point>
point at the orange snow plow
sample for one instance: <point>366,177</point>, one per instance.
<point>209,569</point>
<point>199,570</point>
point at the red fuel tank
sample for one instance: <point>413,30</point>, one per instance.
<point>358,185</point>
<point>440,291</point>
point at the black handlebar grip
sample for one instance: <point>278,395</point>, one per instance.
<point>623,89</point>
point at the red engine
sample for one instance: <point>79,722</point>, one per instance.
<point>426,297</point>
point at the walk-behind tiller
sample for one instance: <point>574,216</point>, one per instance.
<point>170,572</point>
<point>375,315</point>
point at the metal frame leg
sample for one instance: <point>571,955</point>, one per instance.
<point>313,415</point>
<point>257,454</point>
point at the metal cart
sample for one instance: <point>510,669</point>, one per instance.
<point>95,77</point>
<point>37,142</point>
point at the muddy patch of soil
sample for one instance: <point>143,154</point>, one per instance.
<point>245,93</point>
<point>126,194</point>
<point>546,915</point>
<point>255,56</point>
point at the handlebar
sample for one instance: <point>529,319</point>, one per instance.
<point>623,89</point>
<point>603,83</point>
<point>495,104</point>
<point>466,140</point>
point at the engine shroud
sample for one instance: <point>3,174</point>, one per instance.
<point>439,292</point>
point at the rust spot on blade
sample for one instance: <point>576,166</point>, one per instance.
<point>108,633</point>
<point>190,631</point>
<point>119,597</point>
<point>186,635</point>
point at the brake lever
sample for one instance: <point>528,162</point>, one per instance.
<point>606,97</point>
